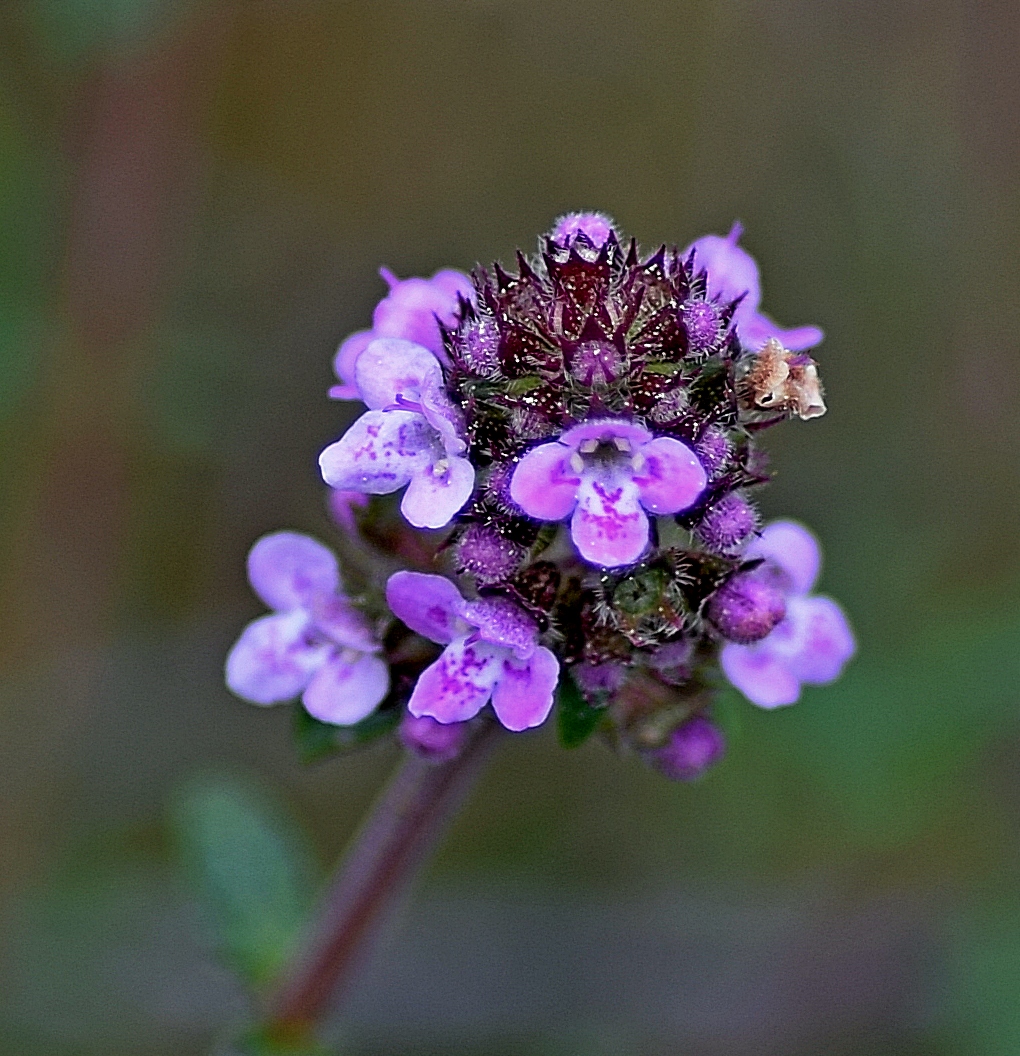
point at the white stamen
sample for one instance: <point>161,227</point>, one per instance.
<point>576,463</point>
<point>588,447</point>
<point>638,462</point>
<point>439,468</point>
<point>622,444</point>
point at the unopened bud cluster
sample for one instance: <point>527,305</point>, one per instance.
<point>573,445</point>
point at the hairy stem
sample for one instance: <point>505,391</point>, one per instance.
<point>404,826</point>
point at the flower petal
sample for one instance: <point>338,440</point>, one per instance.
<point>609,528</point>
<point>432,499</point>
<point>502,622</point>
<point>732,271</point>
<point>457,686</point>
<point>390,370</point>
<point>793,551</point>
<point>273,661</point>
<point>825,641</point>
<point>671,476</point>
<point>761,676</point>
<point>412,306</point>
<point>335,617</point>
<point>345,691</point>
<point>544,484</point>
<point>756,328</point>
<point>288,570</point>
<point>343,364</point>
<point>380,452</point>
<point>429,605</point>
<point>523,694</point>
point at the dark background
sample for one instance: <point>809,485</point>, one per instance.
<point>194,199</point>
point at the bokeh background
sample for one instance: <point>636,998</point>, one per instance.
<point>194,200</point>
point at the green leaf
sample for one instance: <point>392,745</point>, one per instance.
<point>251,865</point>
<point>669,369</point>
<point>317,740</point>
<point>519,386</point>
<point>576,719</point>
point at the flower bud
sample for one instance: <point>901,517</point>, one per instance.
<point>690,752</point>
<point>713,450</point>
<point>436,741</point>
<point>487,555</point>
<point>728,524</point>
<point>701,319</point>
<point>596,227</point>
<point>745,609</point>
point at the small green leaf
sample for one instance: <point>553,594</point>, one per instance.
<point>576,719</point>
<point>669,369</point>
<point>252,866</point>
<point>316,740</point>
<point>519,386</point>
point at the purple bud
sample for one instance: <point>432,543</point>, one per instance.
<point>713,450</point>
<point>701,320</point>
<point>728,524</point>
<point>596,227</point>
<point>599,680</point>
<point>690,752</point>
<point>596,363</point>
<point>481,346</point>
<point>436,741</point>
<point>745,609</point>
<point>487,555</point>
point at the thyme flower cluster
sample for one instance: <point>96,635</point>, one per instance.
<point>573,446</point>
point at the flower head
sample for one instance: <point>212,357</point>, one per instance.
<point>605,475</point>
<point>412,435</point>
<point>315,644</point>
<point>810,644</point>
<point>492,652</point>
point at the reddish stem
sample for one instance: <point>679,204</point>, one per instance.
<point>404,826</point>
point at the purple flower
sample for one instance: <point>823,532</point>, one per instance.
<point>314,644</point>
<point>733,273</point>
<point>811,644</point>
<point>341,505</point>
<point>607,474</point>
<point>412,310</point>
<point>413,434</point>
<point>691,750</point>
<point>492,651</point>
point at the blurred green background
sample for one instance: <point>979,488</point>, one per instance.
<point>194,200</point>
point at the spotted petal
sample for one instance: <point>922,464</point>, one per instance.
<point>670,476</point>
<point>273,661</point>
<point>458,685</point>
<point>523,694</point>
<point>347,688</point>
<point>288,570</point>
<point>380,452</point>
<point>609,527</point>
<point>815,639</point>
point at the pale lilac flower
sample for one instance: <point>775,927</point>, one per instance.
<point>492,652</point>
<point>413,434</point>
<point>314,644</point>
<point>606,474</point>
<point>733,273</point>
<point>412,310</point>
<point>811,644</point>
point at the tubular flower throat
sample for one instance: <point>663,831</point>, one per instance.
<point>578,436</point>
